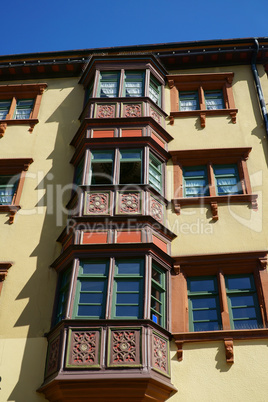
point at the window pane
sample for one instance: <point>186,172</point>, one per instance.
<point>128,298</point>
<point>209,302</point>
<point>214,100</point>
<point>129,267</point>
<point>238,283</point>
<point>130,154</point>
<point>109,85</point>
<point>23,109</point>
<point>243,301</point>
<point>4,109</point>
<point>195,182</point>
<point>203,315</point>
<point>227,179</point>
<point>99,268</point>
<point>130,286</point>
<point>201,285</point>
<point>244,312</point>
<point>246,324</point>
<point>155,91</point>
<point>206,326</point>
<point>127,311</point>
<point>8,186</point>
<point>91,298</point>
<point>134,84</point>
<point>90,311</point>
<point>92,285</point>
<point>102,167</point>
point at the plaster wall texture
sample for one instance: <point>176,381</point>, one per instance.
<point>203,375</point>
<point>30,242</point>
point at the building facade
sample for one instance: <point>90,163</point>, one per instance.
<point>133,211</point>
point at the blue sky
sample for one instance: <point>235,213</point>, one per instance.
<point>40,26</point>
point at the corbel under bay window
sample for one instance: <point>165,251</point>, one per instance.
<point>19,104</point>
<point>211,176</point>
<point>202,95</point>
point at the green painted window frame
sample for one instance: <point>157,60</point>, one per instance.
<point>130,278</point>
<point>191,96</point>
<point>193,177</point>
<point>63,295</point>
<point>239,292</point>
<point>155,88</point>
<point>95,160</point>
<point>4,108</point>
<point>124,161</point>
<point>20,106</point>
<point>226,176</point>
<point>104,78</point>
<point>82,277</point>
<point>131,80</point>
<point>7,183</point>
<point>214,95</point>
<point>203,295</point>
<point>158,295</point>
<point>155,173</point>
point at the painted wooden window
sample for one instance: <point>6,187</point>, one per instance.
<point>63,295</point>
<point>204,303</point>
<point>203,299</point>
<point>109,84</point>
<point>243,303</point>
<point>23,109</point>
<point>214,100</point>
<point>134,84</point>
<point>91,291</point>
<point>155,91</point>
<point>227,179</point>
<point>102,163</point>
<point>189,100</point>
<point>8,187</point>
<point>155,173</point>
<point>195,181</point>
<point>158,296</point>
<point>4,108</point>
<point>130,166</point>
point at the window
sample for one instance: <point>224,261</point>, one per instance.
<point>219,296</point>
<point>12,176</point>
<point>8,187</point>
<point>125,166</point>
<point>202,95</point>
<point>24,108</point>
<point>126,83</point>
<point>204,304</point>
<point>19,104</point>
<point>211,176</point>
<point>158,295</point>
<point>112,288</point>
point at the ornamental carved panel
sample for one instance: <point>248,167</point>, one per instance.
<point>124,347</point>
<point>156,210</point>
<point>83,348</point>
<point>129,203</point>
<point>53,356</point>
<point>105,111</point>
<point>160,358</point>
<point>97,203</point>
<point>132,110</point>
<point>155,115</point>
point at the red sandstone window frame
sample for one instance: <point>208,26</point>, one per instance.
<point>201,83</point>
<point>217,265</point>
<point>14,167</point>
<point>208,158</point>
<point>17,92</point>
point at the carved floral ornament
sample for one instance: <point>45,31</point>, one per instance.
<point>97,203</point>
<point>132,110</point>
<point>125,347</point>
<point>83,348</point>
<point>105,111</point>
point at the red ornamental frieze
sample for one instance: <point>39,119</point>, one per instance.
<point>132,110</point>
<point>160,358</point>
<point>155,115</point>
<point>106,111</point>
<point>156,210</point>
<point>97,203</point>
<point>53,356</point>
<point>129,203</point>
<point>84,348</point>
<point>125,347</point>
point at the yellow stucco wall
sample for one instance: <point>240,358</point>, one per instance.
<point>204,376</point>
<point>28,292</point>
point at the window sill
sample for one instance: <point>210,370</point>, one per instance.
<point>228,336</point>
<point>214,201</point>
<point>5,123</point>
<point>203,114</point>
<point>11,210</point>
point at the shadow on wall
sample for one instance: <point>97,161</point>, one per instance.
<point>40,288</point>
